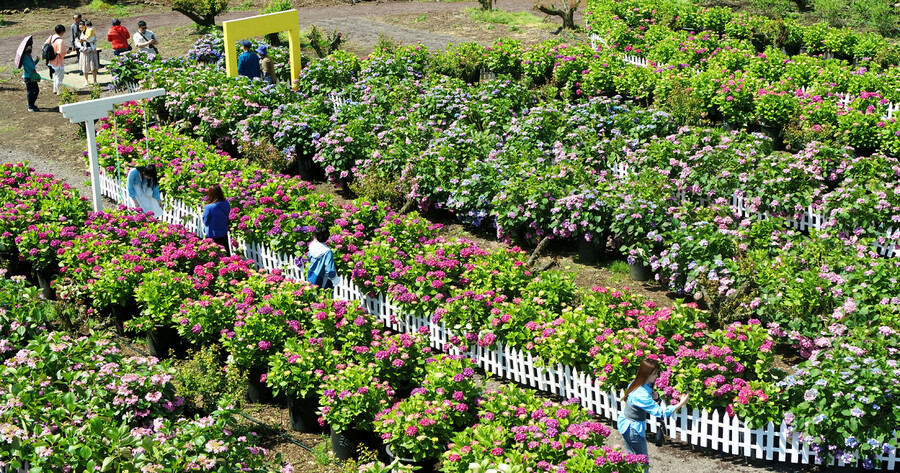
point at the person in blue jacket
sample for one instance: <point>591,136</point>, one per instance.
<point>143,188</point>
<point>31,78</point>
<point>322,271</point>
<point>216,215</point>
<point>639,405</point>
<point>248,61</point>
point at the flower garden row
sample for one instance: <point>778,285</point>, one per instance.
<point>496,153</point>
<point>264,322</point>
<point>385,264</point>
<point>649,21</point>
<point>744,79</point>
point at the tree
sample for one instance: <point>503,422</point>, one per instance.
<point>201,12</point>
<point>566,12</point>
<point>486,4</point>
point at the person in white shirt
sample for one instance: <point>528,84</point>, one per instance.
<point>145,40</point>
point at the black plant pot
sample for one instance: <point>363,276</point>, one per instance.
<point>424,466</point>
<point>164,340</point>
<point>123,313</point>
<point>44,279</point>
<point>640,272</point>
<point>588,251</point>
<point>775,134</point>
<point>791,50</point>
<point>258,391</point>
<point>346,444</point>
<point>19,267</point>
<point>404,391</point>
<point>304,415</point>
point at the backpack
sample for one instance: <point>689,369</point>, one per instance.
<point>48,53</point>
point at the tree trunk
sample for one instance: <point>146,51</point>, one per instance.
<point>567,13</point>
<point>202,20</point>
<point>407,207</point>
<point>537,251</point>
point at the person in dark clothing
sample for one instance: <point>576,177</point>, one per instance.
<point>74,34</point>
<point>32,79</point>
<point>216,216</point>
<point>248,61</point>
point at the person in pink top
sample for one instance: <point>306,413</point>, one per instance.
<point>57,64</point>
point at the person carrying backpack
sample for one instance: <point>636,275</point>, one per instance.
<point>54,53</point>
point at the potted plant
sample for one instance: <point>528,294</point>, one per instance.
<point>399,359</point>
<point>774,108</point>
<point>160,295</point>
<point>39,245</point>
<point>637,223</point>
<point>349,400</point>
<point>257,333</point>
<point>735,100</point>
<point>417,430</point>
<point>585,216</point>
<point>297,372</point>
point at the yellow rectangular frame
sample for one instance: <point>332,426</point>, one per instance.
<point>259,25</point>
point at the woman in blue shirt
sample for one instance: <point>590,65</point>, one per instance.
<point>322,271</point>
<point>215,216</point>
<point>143,188</point>
<point>638,405</point>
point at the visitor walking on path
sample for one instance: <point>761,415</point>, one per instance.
<point>89,61</point>
<point>266,65</point>
<point>145,40</point>
<point>74,34</point>
<point>56,64</point>
<point>143,188</point>
<point>248,63</point>
<point>639,405</point>
<point>32,79</point>
<point>322,271</point>
<point>118,37</point>
<point>216,215</point>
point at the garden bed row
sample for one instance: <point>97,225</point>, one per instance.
<point>717,430</point>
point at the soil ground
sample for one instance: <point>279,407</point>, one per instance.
<point>52,145</point>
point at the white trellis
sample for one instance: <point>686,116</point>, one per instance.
<point>89,112</point>
<point>714,430</point>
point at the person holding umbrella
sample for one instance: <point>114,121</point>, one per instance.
<point>28,64</point>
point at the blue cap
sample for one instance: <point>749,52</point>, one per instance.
<point>262,50</point>
<point>246,43</point>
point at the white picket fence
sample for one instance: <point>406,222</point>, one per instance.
<point>713,430</point>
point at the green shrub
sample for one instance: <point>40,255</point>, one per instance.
<point>877,13</point>
<point>832,11</point>
<point>775,9</point>
<point>200,381</point>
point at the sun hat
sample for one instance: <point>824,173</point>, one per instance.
<point>262,50</point>
<point>246,43</point>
